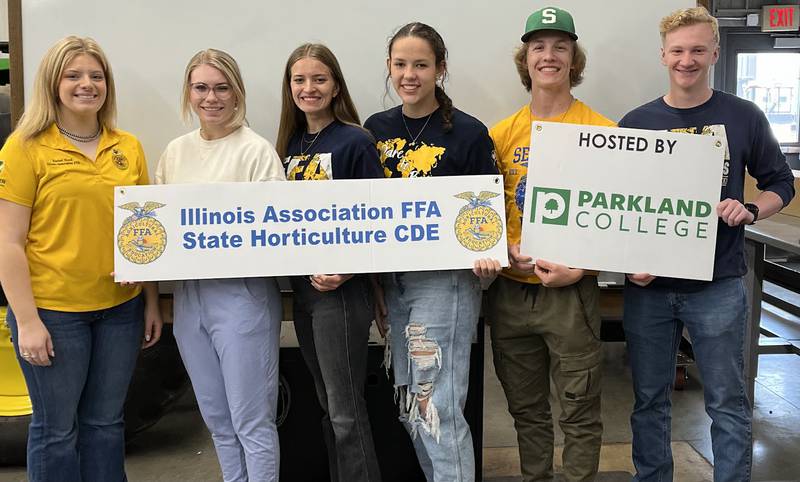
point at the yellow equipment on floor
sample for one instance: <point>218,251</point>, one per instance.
<point>14,400</point>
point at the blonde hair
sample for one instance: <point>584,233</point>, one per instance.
<point>685,17</point>
<point>575,70</point>
<point>292,118</point>
<point>226,64</point>
<point>43,109</point>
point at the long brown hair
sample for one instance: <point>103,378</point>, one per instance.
<point>43,109</point>
<point>435,41</point>
<point>292,118</point>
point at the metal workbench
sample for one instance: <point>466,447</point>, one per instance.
<point>782,232</point>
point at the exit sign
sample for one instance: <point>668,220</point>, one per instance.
<point>780,18</point>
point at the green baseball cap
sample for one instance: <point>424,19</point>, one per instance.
<point>550,18</point>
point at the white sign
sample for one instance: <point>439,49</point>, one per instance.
<point>225,230</point>
<point>624,200</point>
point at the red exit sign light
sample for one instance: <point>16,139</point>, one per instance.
<point>780,18</point>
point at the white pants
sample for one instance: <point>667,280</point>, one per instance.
<point>228,334</point>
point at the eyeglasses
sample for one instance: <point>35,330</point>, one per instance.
<point>221,91</point>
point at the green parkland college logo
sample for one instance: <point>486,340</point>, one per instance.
<point>627,213</point>
<point>550,206</point>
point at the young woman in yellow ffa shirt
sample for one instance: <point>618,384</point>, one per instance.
<point>544,316</point>
<point>77,333</point>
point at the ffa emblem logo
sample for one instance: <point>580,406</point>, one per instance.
<point>119,159</point>
<point>478,226</point>
<point>142,238</point>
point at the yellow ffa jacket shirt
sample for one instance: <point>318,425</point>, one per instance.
<point>512,140</point>
<point>71,239</point>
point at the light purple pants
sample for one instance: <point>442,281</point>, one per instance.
<point>228,333</point>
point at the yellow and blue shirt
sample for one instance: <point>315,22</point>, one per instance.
<point>512,140</point>
<point>339,151</point>
<point>465,149</point>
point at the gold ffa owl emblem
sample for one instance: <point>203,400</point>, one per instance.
<point>119,159</point>
<point>142,238</point>
<point>478,226</point>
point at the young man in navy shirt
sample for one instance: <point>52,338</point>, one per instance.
<point>714,312</point>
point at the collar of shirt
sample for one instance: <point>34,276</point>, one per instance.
<point>51,137</point>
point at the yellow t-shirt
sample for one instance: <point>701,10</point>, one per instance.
<point>512,140</point>
<point>71,240</point>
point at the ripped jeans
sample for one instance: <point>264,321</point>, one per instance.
<point>433,317</point>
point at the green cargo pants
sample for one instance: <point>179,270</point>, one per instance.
<point>538,333</point>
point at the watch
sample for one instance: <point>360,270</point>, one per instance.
<point>753,210</point>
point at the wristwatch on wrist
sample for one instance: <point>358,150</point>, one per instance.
<point>753,210</point>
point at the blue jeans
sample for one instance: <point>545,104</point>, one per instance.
<point>433,317</point>
<point>715,318</point>
<point>77,431</point>
<point>333,330</point>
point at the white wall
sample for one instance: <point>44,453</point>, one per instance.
<point>149,43</point>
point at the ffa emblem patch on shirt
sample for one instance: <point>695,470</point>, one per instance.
<point>478,226</point>
<point>142,238</point>
<point>119,159</point>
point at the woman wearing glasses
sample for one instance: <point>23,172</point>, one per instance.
<point>228,329</point>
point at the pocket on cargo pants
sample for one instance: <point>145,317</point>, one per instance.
<point>580,376</point>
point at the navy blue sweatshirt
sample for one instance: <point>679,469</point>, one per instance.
<point>420,147</point>
<point>340,151</point>
<point>750,144</point>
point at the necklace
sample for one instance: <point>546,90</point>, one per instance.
<point>414,138</point>
<point>77,138</point>
<point>560,118</point>
<point>310,143</point>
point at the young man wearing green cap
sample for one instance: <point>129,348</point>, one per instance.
<point>545,318</point>
<point>714,312</point>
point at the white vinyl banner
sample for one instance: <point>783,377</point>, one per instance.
<point>225,230</point>
<point>623,200</point>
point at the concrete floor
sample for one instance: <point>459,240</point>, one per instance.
<point>179,448</point>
